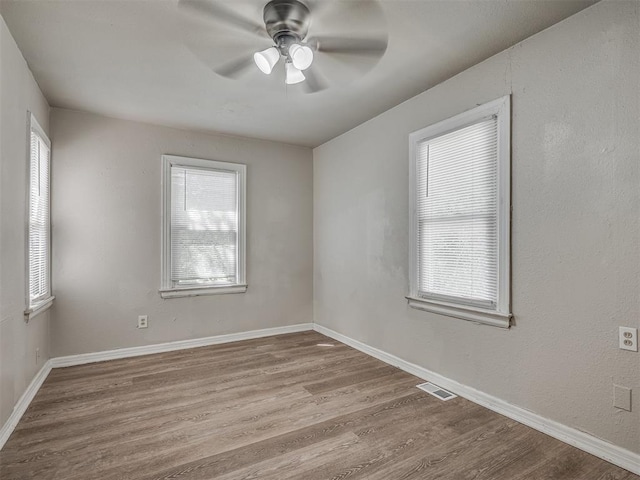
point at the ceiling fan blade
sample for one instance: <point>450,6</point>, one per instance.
<point>215,10</point>
<point>314,81</point>
<point>318,7</point>
<point>235,68</point>
<point>370,46</point>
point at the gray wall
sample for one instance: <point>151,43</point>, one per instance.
<point>106,208</point>
<point>18,340</point>
<point>576,237</point>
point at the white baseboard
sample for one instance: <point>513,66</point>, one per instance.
<point>584,441</point>
<point>84,358</point>
<point>68,361</point>
<point>23,403</point>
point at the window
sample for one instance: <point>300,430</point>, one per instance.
<point>460,213</point>
<point>39,296</point>
<point>203,227</point>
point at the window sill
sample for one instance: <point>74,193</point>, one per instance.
<point>197,291</point>
<point>38,308</point>
<point>472,314</point>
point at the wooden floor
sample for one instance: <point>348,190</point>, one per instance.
<point>298,406</point>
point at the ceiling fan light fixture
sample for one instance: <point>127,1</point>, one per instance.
<point>292,74</point>
<point>301,56</point>
<point>266,59</point>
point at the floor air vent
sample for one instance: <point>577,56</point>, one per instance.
<point>436,391</point>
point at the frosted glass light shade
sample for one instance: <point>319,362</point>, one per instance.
<point>292,74</point>
<point>266,59</point>
<point>301,56</point>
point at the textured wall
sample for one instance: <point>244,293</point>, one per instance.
<point>19,93</point>
<point>576,226</point>
<point>107,214</point>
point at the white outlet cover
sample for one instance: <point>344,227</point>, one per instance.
<point>142,321</point>
<point>630,335</point>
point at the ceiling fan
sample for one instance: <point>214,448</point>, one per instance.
<point>293,31</point>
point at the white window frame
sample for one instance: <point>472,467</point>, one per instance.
<point>501,315</point>
<point>168,290</point>
<point>42,304</point>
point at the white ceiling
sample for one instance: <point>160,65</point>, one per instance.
<point>143,60</point>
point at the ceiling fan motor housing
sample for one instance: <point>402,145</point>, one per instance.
<point>287,22</point>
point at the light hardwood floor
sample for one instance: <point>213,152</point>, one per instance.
<point>299,406</point>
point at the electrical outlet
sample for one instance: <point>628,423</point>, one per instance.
<point>37,356</point>
<point>143,321</point>
<point>628,338</point>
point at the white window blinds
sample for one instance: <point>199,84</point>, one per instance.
<point>458,216</point>
<point>39,218</point>
<point>204,226</point>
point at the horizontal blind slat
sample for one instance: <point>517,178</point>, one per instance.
<point>204,226</point>
<point>457,213</point>
<point>39,219</point>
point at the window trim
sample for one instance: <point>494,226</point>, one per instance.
<point>167,290</point>
<point>501,315</point>
<point>38,308</point>
<point>44,303</point>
